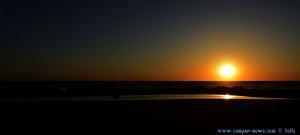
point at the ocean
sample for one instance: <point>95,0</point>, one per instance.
<point>276,89</point>
<point>262,85</point>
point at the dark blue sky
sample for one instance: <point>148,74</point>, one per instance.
<point>148,40</point>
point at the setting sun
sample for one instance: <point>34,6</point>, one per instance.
<point>227,71</point>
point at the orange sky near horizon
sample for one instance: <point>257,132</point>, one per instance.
<point>150,40</point>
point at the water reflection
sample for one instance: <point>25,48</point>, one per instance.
<point>141,97</point>
<point>194,96</point>
<point>227,96</point>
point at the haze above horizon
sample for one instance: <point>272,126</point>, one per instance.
<point>158,40</point>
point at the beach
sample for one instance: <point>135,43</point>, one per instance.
<point>151,117</point>
<point>150,107</point>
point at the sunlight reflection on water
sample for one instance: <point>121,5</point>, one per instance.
<point>193,96</point>
<point>141,97</point>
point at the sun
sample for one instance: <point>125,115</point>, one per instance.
<point>227,71</point>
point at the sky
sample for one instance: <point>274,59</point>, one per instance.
<point>154,40</point>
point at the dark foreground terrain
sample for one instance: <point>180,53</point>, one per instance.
<point>149,117</point>
<point>181,116</point>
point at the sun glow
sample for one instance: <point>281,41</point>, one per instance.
<point>227,71</point>
<point>227,96</point>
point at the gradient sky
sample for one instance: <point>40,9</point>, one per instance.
<point>149,39</point>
